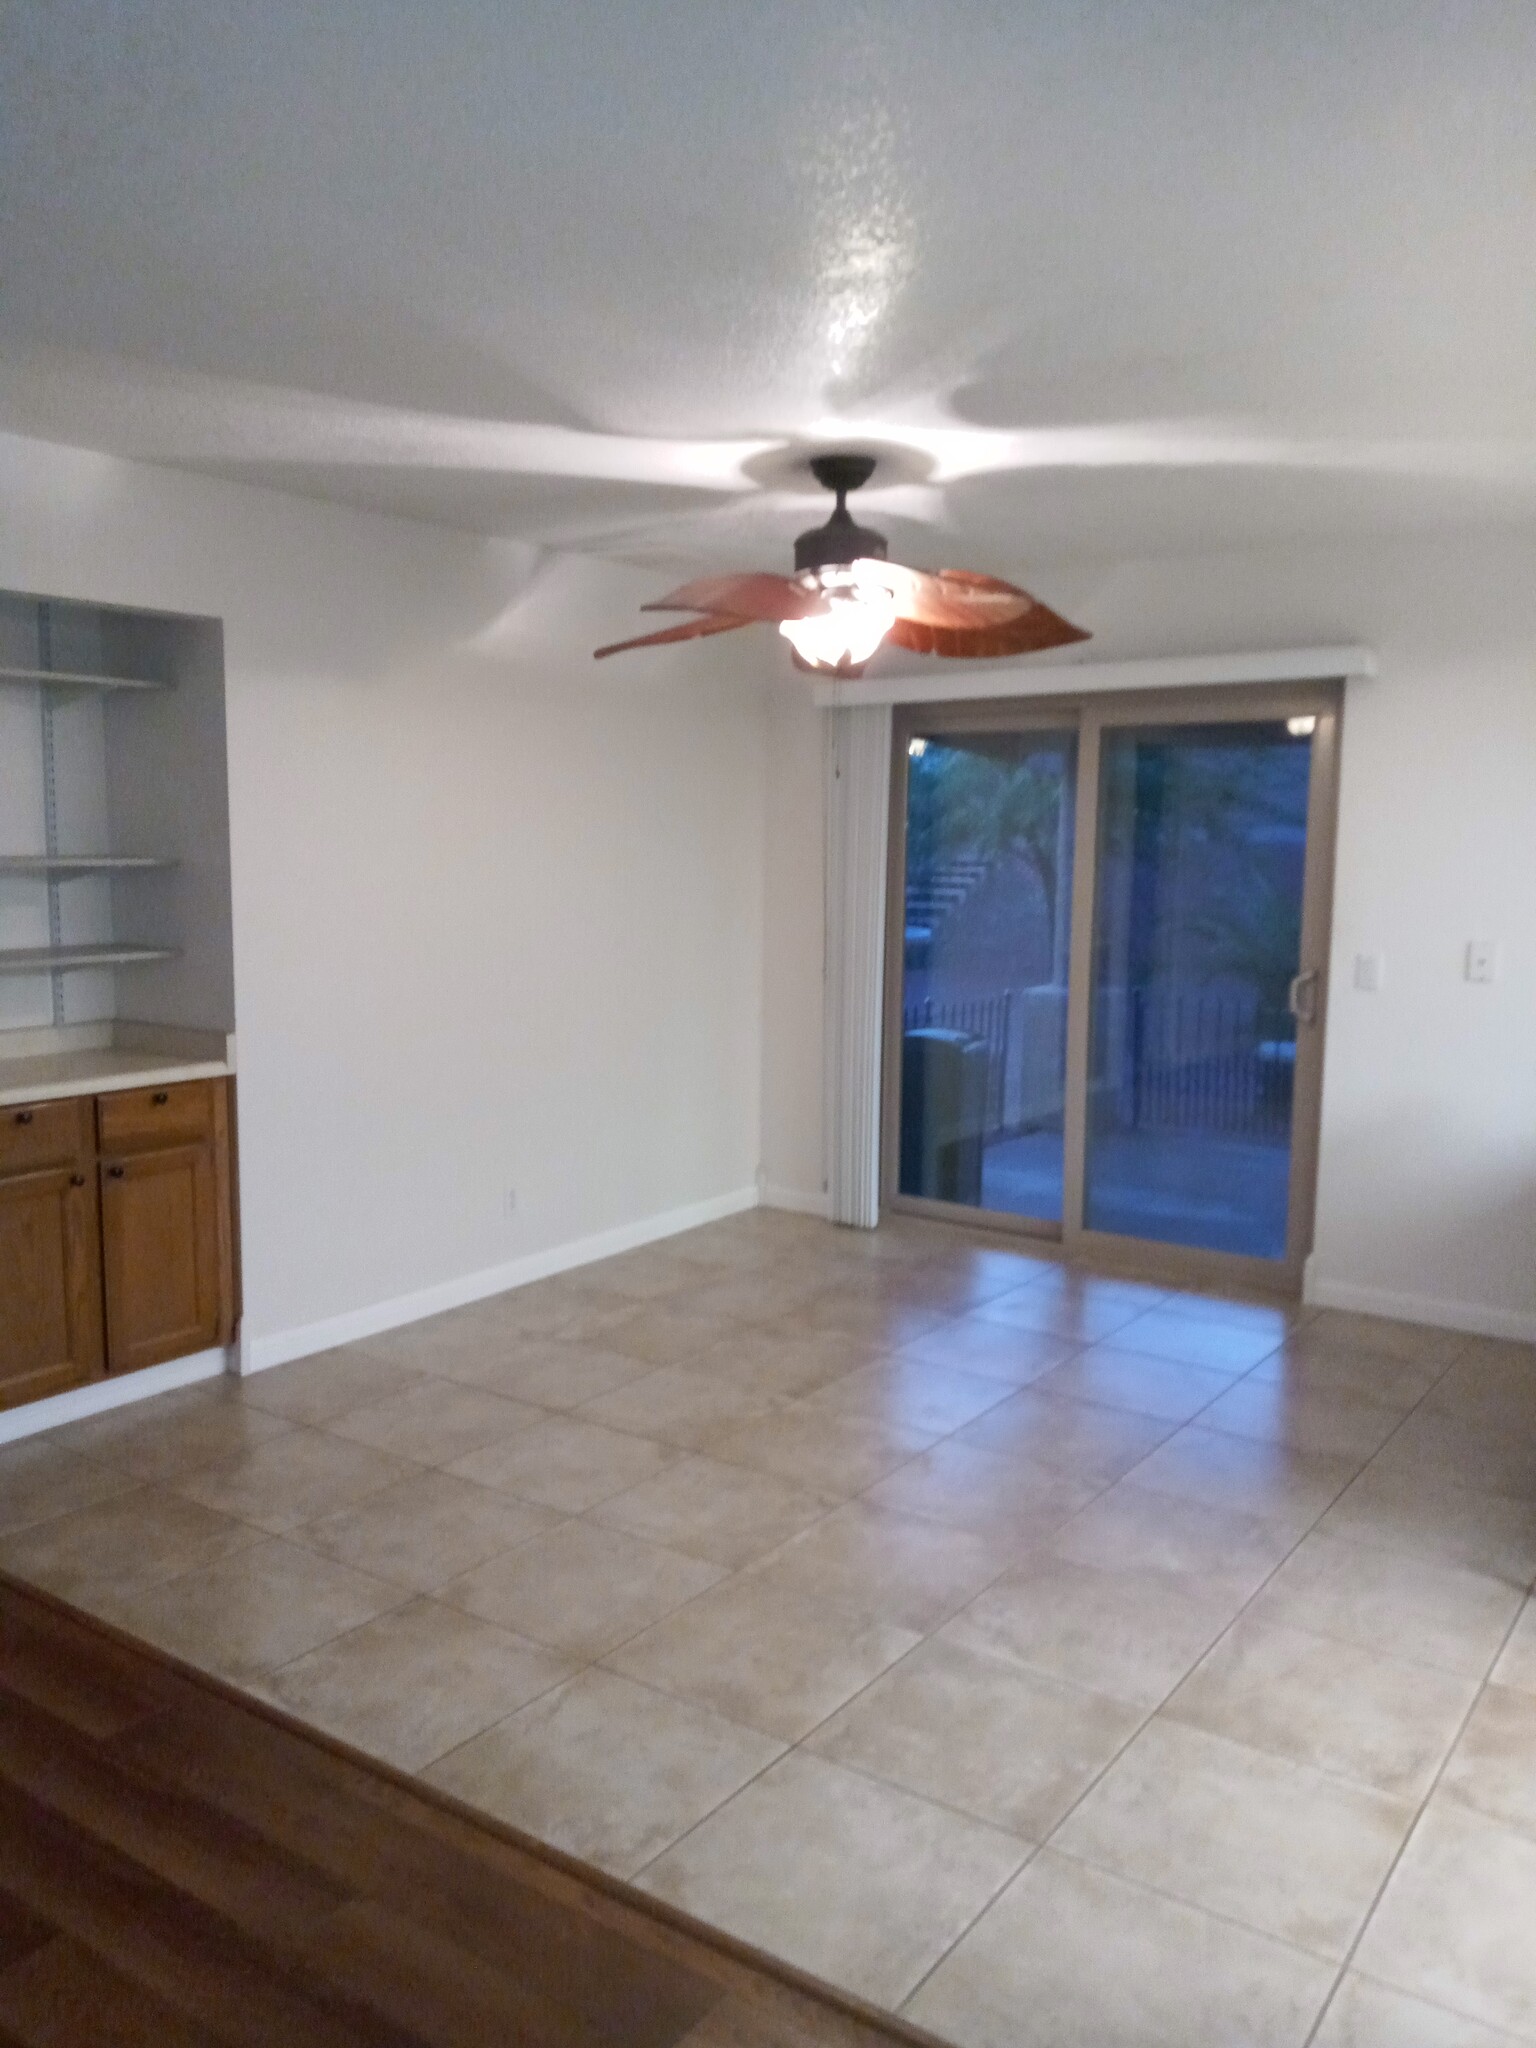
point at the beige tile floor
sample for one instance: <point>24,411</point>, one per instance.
<point>1056,1659</point>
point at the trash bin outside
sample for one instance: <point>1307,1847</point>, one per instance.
<point>943,1114</point>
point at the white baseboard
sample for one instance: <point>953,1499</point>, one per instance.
<point>257,1353</point>
<point>101,1395</point>
<point>1474,1317</point>
<point>795,1199</point>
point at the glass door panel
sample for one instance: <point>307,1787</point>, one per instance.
<point>1198,896</point>
<point>986,941</point>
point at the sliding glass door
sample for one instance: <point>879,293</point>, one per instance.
<point>1202,834</point>
<point>985,941</point>
<point>1104,975</point>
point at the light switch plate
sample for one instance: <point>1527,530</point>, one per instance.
<point>1482,960</point>
<point>1368,972</point>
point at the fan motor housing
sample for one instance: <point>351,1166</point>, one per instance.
<point>841,540</point>
<point>837,543</point>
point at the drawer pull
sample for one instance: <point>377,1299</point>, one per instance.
<point>77,1180</point>
<point>23,1116</point>
<point>160,1096</point>
<point>114,1173</point>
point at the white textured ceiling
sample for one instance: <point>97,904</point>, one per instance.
<point>1105,277</point>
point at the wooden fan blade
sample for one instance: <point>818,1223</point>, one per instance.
<point>692,629</point>
<point>752,595</point>
<point>958,598</point>
<point>1038,629</point>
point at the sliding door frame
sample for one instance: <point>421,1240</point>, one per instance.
<point>1090,717</point>
<point>997,714</point>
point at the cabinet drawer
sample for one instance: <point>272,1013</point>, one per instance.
<point>138,1119</point>
<point>36,1134</point>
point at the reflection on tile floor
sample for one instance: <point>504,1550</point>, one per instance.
<point>1059,1660</point>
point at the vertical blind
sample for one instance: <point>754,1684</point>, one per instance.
<point>858,820</point>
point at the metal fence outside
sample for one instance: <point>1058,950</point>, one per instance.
<point>1201,1061</point>
<point>1024,1031</point>
<point>1169,1060</point>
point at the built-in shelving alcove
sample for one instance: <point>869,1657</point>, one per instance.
<point>114,831</point>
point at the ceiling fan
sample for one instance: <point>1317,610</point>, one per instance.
<point>845,599</point>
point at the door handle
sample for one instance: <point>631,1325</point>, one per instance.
<point>77,1180</point>
<point>1301,997</point>
<point>23,1116</point>
<point>114,1173</point>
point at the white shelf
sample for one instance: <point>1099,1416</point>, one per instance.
<point>74,680</point>
<point>65,959</point>
<point>66,864</point>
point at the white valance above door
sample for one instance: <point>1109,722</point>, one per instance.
<point>955,681</point>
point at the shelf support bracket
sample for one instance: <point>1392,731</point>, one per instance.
<point>50,801</point>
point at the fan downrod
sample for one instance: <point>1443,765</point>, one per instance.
<point>840,541</point>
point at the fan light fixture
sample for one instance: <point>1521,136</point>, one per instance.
<point>845,600</point>
<point>861,610</point>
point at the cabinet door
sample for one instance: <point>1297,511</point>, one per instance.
<point>161,1242</point>
<point>50,1299</point>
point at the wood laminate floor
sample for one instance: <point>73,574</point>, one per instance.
<point>180,1867</point>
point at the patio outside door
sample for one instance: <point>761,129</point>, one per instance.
<point>1108,927</point>
<point>985,945</point>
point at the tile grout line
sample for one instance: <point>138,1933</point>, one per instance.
<point>1076,1349</point>
<point>1033,1849</point>
<point>924,1638</point>
<point>797,1746</point>
<point>1035,1670</point>
<point>1109,1765</point>
<point>1403,1846</point>
<point>947,1319</point>
<point>1423,1807</point>
<point>294,1534</point>
<point>1156,1710</point>
<point>928,1636</point>
<point>1151,1891</point>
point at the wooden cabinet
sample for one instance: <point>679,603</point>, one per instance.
<point>50,1252</point>
<point>146,1119</point>
<point>116,1235</point>
<point>165,1222</point>
<point>46,1134</point>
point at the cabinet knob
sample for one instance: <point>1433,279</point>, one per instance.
<point>114,1173</point>
<point>23,1116</point>
<point>77,1180</point>
<point>160,1095</point>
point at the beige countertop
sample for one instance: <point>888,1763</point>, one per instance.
<point>45,1076</point>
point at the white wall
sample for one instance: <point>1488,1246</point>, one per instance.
<point>504,918</point>
<point>497,911</point>
<point>1427,1196</point>
<point>794,943</point>
<point>168,790</point>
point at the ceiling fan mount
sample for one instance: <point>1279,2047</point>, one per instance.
<point>846,599</point>
<point>842,473</point>
<point>841,540</point>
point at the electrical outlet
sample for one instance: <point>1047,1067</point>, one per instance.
<point>1368,972</point>
<point>1482,960</point>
